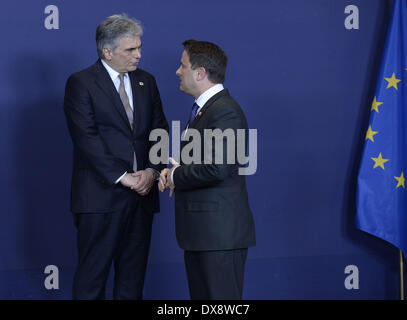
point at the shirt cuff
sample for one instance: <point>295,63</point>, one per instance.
<point>172,176</point>
<point>121,177</point>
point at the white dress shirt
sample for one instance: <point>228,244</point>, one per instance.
<point>204,97</point>
<point>114,75</point>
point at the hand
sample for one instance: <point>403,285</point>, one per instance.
<point>165,178</point>
<point>175,164</point>
<point>165,181</point>
<point>128,180</point>
<point>145,181</point>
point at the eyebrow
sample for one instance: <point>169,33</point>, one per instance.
<point>132,48</point>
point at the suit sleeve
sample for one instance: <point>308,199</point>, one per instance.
<point>192,176</point>
<point>80,117</point>
<point>158,120</point>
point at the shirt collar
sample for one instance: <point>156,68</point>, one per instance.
<point>204,97</point>
<point>112,73</point>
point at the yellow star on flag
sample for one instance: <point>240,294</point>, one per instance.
<point>370,133</point>
<point>392,82</point>
<point>375,105</point>
<point>400,180</point>
<point>379,161</point>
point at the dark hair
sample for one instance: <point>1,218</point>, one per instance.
<point>209,56</point>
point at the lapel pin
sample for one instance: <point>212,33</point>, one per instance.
<point>141,83</point>
<point>200,113</point>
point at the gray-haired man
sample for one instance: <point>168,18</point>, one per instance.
<point>111,107</point>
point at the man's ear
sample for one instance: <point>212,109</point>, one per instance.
<point>201,74</point>
<point>107,53</point>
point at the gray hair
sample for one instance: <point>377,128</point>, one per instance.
<point>113,28</point>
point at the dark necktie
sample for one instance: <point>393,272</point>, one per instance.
<point>193,113</point>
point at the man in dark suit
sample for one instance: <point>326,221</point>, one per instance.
<point>214,223</point>
<point>111,108</point>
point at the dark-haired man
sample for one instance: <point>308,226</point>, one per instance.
<point>214,223</point>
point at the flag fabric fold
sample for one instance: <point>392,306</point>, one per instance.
<point>381,199</point>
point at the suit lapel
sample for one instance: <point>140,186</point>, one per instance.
<point>203,110</point>
<point>207,105</point>
<point>104,81</point>
<point>137,88</point>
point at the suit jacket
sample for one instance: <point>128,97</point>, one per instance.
<point>103,140</point>
<point>211,202</point>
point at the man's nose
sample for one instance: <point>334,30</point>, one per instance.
<point>137,53</point>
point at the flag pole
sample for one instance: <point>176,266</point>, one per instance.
<point>401,274</point>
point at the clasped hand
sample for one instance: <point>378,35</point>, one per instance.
<point>140,181</point>
<point>165,178</point>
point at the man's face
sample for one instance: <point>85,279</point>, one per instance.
<point>186,75</point>
<point>126,56</point>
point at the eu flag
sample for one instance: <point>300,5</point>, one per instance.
<point>381,191</point>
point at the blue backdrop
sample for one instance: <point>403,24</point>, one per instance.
<point>305,83</point>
